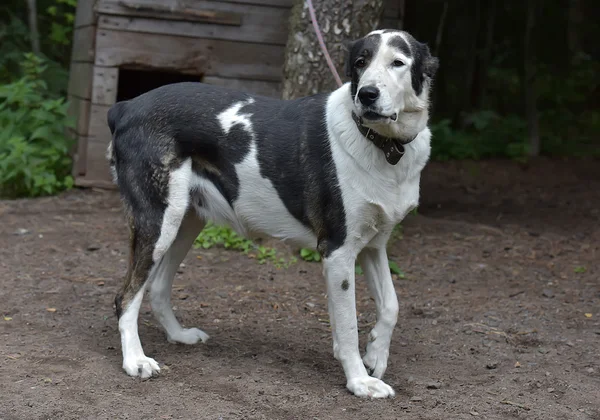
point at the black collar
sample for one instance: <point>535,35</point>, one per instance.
<point>392,148</point>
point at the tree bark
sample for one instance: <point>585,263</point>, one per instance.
<point>480,82</point>
<point>34,33</point>
<point>575,20</point>
<point>401,13</point>
<point>440,29</point>
<point>305,70</point>
<point>529,82</point>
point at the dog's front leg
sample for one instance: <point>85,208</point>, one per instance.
<point>338,269</point>
<point>374,262</point>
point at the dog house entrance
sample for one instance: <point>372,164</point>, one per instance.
<point>133,83</point>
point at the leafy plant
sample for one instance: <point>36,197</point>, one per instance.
<point>215,235</point>
<point>34,147</point>
<point>308,254</point>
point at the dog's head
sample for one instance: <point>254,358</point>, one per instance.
<point>391,73</point>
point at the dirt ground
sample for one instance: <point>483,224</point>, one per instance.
<point>499,312</point>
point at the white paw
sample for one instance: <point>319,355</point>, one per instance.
<point>375,360</point>
<point>188,336</point>
<point>367,386</point>
<point>143,366</point>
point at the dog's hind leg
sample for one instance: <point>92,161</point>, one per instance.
<point>160,288</point>
<point>153,228</point>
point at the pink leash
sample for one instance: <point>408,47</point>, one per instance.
<point>311,10</point>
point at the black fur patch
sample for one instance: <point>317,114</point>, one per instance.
<point>399,43</point>
<point>119,304</point>
<point>366,48</point>
<point>424,64</point>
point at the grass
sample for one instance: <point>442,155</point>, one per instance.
<point>223,236</point>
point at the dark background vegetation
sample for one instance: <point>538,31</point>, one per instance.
<point>517,79</point>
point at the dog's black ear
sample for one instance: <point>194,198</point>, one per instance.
<point>430,63</point>
<point>348,45</point>
<point>424,65</point>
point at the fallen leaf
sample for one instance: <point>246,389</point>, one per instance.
<point>7,318</point>
<point>51,309</point>
<point>517,364</point>
<point>588,315</point>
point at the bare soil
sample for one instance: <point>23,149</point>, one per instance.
<point>499,318</point>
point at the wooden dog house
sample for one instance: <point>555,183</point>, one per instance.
<point>123,48</point>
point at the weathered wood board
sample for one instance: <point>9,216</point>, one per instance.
<point>83,44</point>
<point>84,14</point>
<point>189,55</point>
<point>80,80</point>
<point>105,83</point>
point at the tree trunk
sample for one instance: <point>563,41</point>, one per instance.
<point>529,83</point>
<point>401,13</point>
<point>480,82</point>
<point>470,68</point>
<point>34,33</point>
<point>575,20</point>
<point>305,70</point>
<point>440,29</point>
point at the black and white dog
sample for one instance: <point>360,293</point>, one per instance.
<point>334,171</point>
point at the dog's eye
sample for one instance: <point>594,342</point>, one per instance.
<point>398,63</point>
<point>360,63</point>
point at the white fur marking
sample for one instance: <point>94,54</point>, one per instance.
<point>231,117</point>
<point>375,265</point>
<point>162,281</point>
<point>177,205</point>
<point>135,362</point>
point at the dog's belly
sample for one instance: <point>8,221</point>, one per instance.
<point>262,212</point>
<point>257,212</point>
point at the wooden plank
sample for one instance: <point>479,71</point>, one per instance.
<point>80,157</point>
<point>83,44</point>
<point>80,110</point>
<point>104,86</point>
<point>258,87</point>
<point>260,24</point>
<point>82,181</point>
<point>189,55</point>
<point>286,4</point>
<point>97,168</point>
<point>170,11</point>
<point>84,14</point>
<point>80,80</point>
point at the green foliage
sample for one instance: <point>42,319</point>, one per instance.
<point>215,235</point>
<point>34,147</point>
<point>308,254</point>
<point>579,269</point>
<point>489,135</point>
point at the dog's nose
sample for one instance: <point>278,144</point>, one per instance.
<point>368,95</point>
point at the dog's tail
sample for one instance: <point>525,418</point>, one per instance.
<point>113,116</point>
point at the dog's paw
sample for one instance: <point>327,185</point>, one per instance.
<point>367,386</point>
<point>376,357</point>
<point>188,336</point>
<point>375,360</point>
<point>143,366</point>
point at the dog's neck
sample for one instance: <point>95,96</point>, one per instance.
<point>391,137</point>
